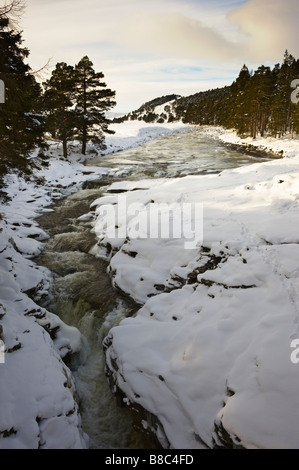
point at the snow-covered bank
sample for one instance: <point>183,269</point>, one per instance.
<point>286,146</point>
<point>38,406</point>
<point>209,353</point>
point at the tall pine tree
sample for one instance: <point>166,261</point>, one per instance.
<point>93,99</point>
<point>237,115</point>
<point>58,103</point>
<point>21,127</point>
<point>282,105</point>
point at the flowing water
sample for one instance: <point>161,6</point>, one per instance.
<point>176,155</point>
<point>82,294</point>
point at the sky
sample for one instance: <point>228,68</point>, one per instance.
<point>151,48</point>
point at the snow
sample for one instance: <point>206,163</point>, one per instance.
<point>33,377</point>
<point>37,392</point>
<point>161,109</point>
<point>209,350</point>
<point>286,145</point>
<point>210,355</point>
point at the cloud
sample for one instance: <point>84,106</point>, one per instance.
<point>256,30</point>
<point>169,28</point>
<point>269,27</point>
<point>132,42</point>
<point>152,45</point>
<point>175,35</point>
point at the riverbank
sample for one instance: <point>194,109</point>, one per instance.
<point>36,341</point>
<point>283,147</point>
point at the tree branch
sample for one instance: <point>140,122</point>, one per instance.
<point>13,11</point>
<point>42,73</point>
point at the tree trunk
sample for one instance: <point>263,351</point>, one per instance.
<point>64,144</point>
<point>84,133</point>
<point>84,139</point>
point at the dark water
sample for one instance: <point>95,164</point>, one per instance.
<point>82,296</point>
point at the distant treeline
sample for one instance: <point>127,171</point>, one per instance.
<point>257,103</point>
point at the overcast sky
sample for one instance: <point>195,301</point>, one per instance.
<point>149,48</point>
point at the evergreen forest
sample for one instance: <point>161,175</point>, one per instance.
<point>257,103</point>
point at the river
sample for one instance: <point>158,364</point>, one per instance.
<point>82,294</point>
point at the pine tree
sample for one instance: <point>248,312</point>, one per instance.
<point>21,128</point>
<point>288,59</point>
<point>58,103</point>
<point>262,86</point>
<point>237,107</point>
<point>93,99</point>
<point>282,105</point>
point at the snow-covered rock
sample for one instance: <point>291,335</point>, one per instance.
<point>37,393</point>
<point>39,405</point>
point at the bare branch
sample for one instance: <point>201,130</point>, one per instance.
<point>42,74</point>
<point>13,11</point>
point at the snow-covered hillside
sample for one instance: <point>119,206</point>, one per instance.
<point>160,110</point>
